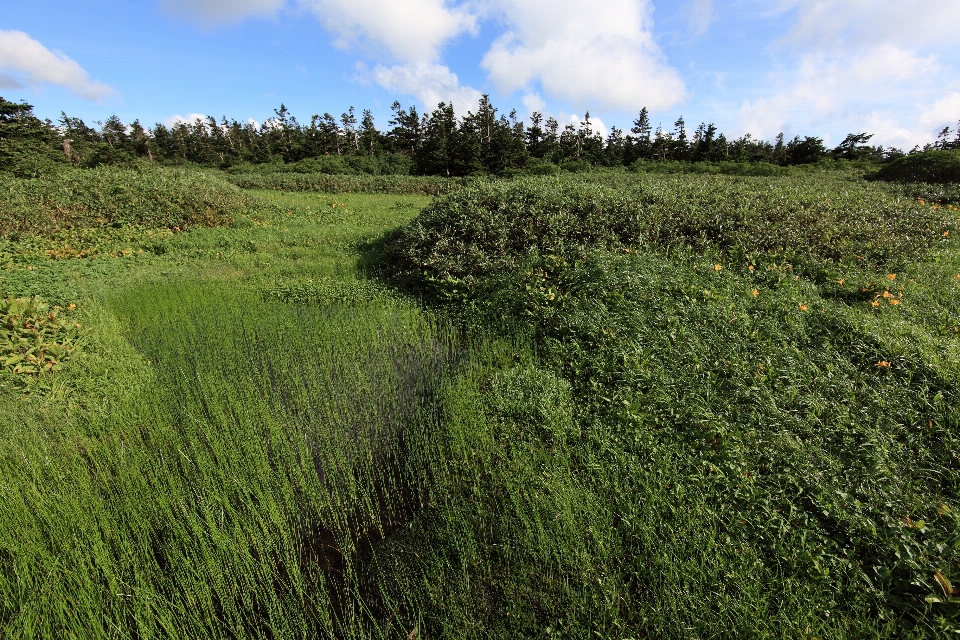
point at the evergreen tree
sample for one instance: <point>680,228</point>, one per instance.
<point>679,149</point>
<point>348,122</point>
<point>407,131</point>
<point>435,154</point>
<point>368,136</point>
<point>642,147</point>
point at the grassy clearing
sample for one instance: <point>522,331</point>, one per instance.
<point>647,406</point>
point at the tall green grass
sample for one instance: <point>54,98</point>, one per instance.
<point>239,493</point>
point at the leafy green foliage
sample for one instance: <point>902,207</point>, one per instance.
<point>681,436</point>
<point>112,197</point>
<point>927,166</point>
<point>34,339</point>
<point>326,183</point>
<point>490,227</point>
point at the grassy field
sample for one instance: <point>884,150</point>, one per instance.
<point>614,406</point>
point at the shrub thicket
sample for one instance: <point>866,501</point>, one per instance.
<point>928,166</point>
<point>330,183</point>
<point>113,197</point>
<point>491,227</point>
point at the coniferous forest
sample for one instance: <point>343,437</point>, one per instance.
<point>437,143</point>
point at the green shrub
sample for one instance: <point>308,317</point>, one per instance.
<point>329,183</point>
<point>928,166</point>
<point>35,339</point>
<point>488,228</point>
<point>114,197</point>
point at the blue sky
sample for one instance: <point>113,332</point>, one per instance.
<point>804,67</point>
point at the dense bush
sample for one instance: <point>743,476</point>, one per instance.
<point>383,164</point>
<point>329,183</point>
<point>112,197</point>
<point>929,166</point>
<point>490,227</point>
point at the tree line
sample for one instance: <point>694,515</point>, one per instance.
<point>435,143</point>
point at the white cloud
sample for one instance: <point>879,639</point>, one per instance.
<point>842,88</point>
<point>699,15</point>
<point>533,102</point>
<point>942,113</point>
<point>430,83</point>
<point>601,55</point>
<point>863,23</point>
<point>411,30</point>
<point>190,118</point>
<point>210,12</point>
<point>862,65</point>
<point>596,124</point>
<point>26,62</point>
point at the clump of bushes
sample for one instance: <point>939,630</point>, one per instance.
<point>490,228</point>
<point>332,183</point>
<point>928,166</point>
<point>114,197</point>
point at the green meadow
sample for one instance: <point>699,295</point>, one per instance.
<point>608,404</point>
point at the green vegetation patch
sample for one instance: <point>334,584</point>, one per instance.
<point>927,166</point>
<point>488,228</point>
<point>35,339</point>
<point>327,183</point>
<point>112,197</point>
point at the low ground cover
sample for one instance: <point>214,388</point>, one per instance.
<point>616,405</point>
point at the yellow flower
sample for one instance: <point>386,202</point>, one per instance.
<point>803,307</point>
<point>71,306</point>
<point>755,293</point>
<point>717,267</point>
<point>946,233</point>
<point>891,276</point>
<point>894,302</point>
<point>875,303</point>
<point>750,267</point>
<point>840,282</point>
<point>886,294</point>
<point>883,364</point>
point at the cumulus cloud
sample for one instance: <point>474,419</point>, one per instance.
<point>603,55</point>
<point>826,87</point>
<point>430,83</point>
<point>945,112</point>
<point>25,62</point>
<point>211,12</point>
<point>410,30</point>
<point>190,118</point>
<point>533,102</point>
<point>596,124</point>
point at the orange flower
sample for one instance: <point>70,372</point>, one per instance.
<point>840,282</point>
<point>886,294</point>
<point>755,293</point>
<point>883,364</point>
<point>803,307</point>
<point>750,267</point>
<point>894,302</point>
<point>717,267</point>
<point>957,277</point>
<point>875,303</point>
<point>946,233</point>
<point>71,306</point>
<point>891,276</point>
